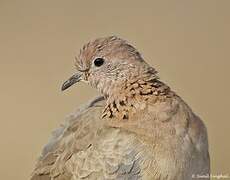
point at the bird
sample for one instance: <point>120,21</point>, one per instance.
<point>137,129</point>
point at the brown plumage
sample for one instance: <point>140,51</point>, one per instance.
<point>139,129</point>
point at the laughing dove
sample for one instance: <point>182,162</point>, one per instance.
<point>138,129</point>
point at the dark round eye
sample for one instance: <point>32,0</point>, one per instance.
<point>99,61</point>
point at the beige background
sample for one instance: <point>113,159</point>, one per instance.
<point>186,41</point>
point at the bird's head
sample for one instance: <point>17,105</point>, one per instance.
<point>106,63</point>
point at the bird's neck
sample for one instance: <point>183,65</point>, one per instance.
<point>133,95</point>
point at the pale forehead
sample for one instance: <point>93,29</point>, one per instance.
<point>105,47</point>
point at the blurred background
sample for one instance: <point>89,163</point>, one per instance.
<point>188,42</point>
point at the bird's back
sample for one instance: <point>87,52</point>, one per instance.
<point>167,142</point>
<point>86,148</point>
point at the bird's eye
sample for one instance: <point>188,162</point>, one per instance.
<point>98,62</point>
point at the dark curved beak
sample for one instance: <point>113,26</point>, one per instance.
<point>72,80</point>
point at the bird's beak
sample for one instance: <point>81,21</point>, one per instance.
<point>72,80</point>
